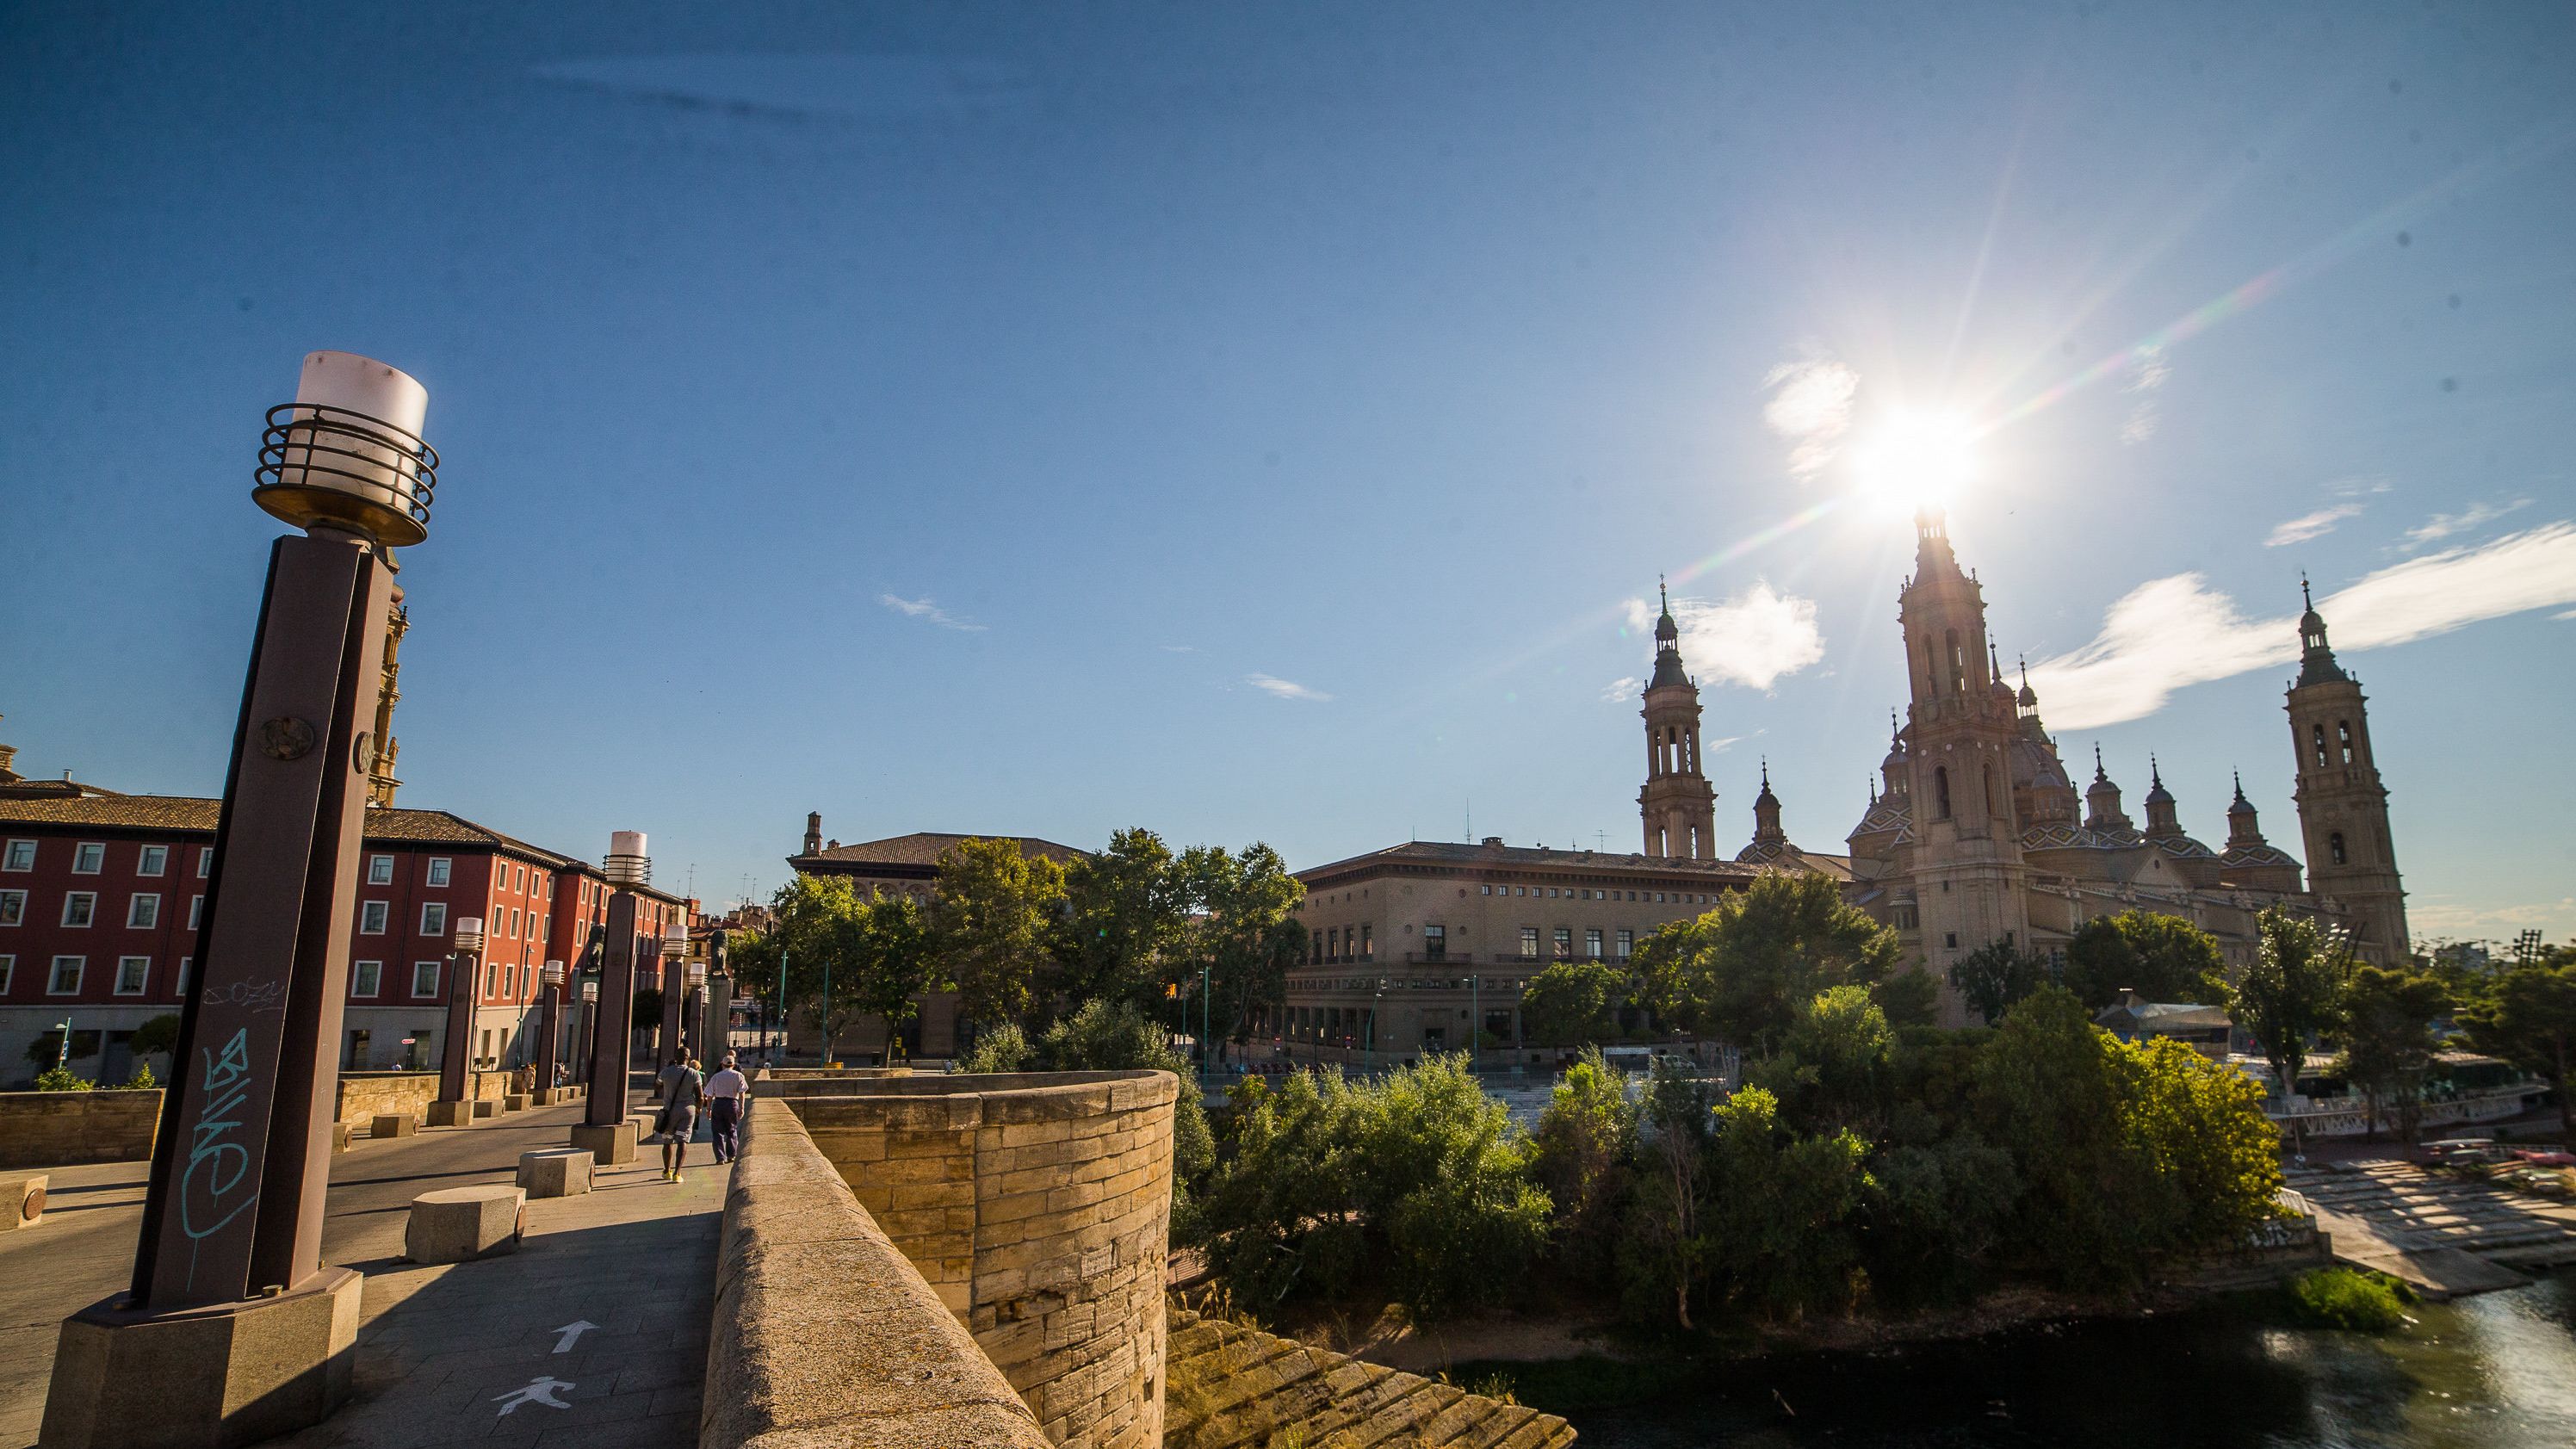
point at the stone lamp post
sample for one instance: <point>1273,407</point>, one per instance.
<point>605,1129</point>
<point>695,1016</point>
<point>550,978</point>
<point>582,1027</point>
<point>675,955</point>
<point>455,1104</point>
<point>719,1003</point>
<point>232,1330</point>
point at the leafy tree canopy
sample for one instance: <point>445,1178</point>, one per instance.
<point>1994,976</point>
<point>2161,957</point>
<point>990,924</point>
<point>1569,1003</point>
<point>2528,1017</point>
<point>1742,970</point>
<point>2388,1039</point>
<point>2290,993</point>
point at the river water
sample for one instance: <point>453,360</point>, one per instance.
<point>2497,1371</point>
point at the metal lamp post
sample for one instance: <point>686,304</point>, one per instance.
<point>455,1104</point>
<point>230,1245</point>
<point>604,1128</point>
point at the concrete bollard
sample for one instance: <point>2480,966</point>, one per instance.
<point>609,1145</point>
<point>458,1224</point>
<point>515,1102</point>
<point>22,1197</point>
<point>451,1114</point>
<point>560,1172</point>
<point>339,1137</point>
<point>392,1124</point>
<point>486,1107</point>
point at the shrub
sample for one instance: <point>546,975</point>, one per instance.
<point>2350,1298</point>
<point>142,1080</point>
<point>56,1079</point>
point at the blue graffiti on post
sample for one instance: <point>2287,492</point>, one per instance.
<point>215,1188</point>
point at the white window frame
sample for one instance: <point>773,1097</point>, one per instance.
<point>380,870</point>
<point>9,899</point>
<point>10,856</point>
<point>196,910</point>
<point>205,861</point>
<point>432,967</point>
<point>93,851</point>
<point>365,977</point>
<point>142,983</point>
<point>442,870</point>
<point>53,974</point>
<point>380,912</point>
<point>187,968</point>
<point>134,907</point>
<point>90,898</point>
<point>433,918</point>
<point>152,860</point>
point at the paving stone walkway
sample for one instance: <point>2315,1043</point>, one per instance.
<point>2447,1235</point>
<point>592,1333</point>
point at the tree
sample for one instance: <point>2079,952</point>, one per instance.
<point>2051,1090</point>
<point>2388,1041</point>
<point>2529,1019</point>
<point>1126,915</point>
<point>2161,957</point>
<point>1930,1214</point>
<point>1569,1003</point>
<point>1833,1070</point>
<point>1782,1207</point>
<point>1663,1250</point>
<point>990,924</point>
<point>2287,996</point>
<point>1246,935</point>
<point>888,953</point>
<point>47,1048</point>
<point>1742,970</point>
<point>2199,1124</point>
<point>819,927</point>
<point>1585,1138</point>
<point>1994,976</point>
<point>159,1034</point>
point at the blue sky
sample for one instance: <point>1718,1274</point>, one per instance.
<point>1261,422</point>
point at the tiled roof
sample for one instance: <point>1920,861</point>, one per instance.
<point>1444,852</point>
<point>926,846</point>
<point>198,815</point>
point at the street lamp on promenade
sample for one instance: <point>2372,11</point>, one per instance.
<point>549,1024</point>
<point>675,951</point>
<point>229,1250</point>
<point>455,1104</point>
<point>694,1016</point>
<point>604,1128</point>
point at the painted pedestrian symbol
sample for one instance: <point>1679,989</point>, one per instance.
<point>538,1391</point>
<point>571,1332</point>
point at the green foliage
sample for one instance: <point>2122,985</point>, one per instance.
<point>1419,1180</point>
<point>2161,957</point>
<point>1663,1248</point>
<point>56,1079</point>
<point>1908,998</point>
<point>1833,1069</point>
<point>1931,1214</point>
<point>2388,1040</point>
<point>1109,1036</point>
<point>1245,934</point>
<point>1569,1003</point>
<point>1994,976</point>
<point>1003,1048</point>
<point>886,950</point>
<point>1127,912</point>
<point>2214,1159</point>
<point>648,1007</point>
<point>160,1034</point>
<point>2290,993</point>
<point>2350,1298</point>
<point>142,1080</point>
<point>48,1046</point>
<point>1742,970</point>
<point>2528,1017</point>
<point>1585,1139</point>
<point>1782,1207</point>
<point>990,924</point>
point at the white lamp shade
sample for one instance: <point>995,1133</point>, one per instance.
<point>675,941</point>
<point>626,842</point>
<point>697,975</point>
<point>469,933</point>
<point>373,462</point>
<point>552,973</point>
<point>590,991</point>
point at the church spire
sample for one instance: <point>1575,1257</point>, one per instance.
<point>1678,806</point>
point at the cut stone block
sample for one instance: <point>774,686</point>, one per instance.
<point>459,1224</point>
<point>232,1374</point>
<point>560,1172</point>
<point>542,1097</point>
<point>515,1102</point>
<point>609,1145</point>
<point>339,1136</point>
<point>392,1124</point>
<point>451,1114</point>
<point>486,1107</point>
<point>22,1197</point>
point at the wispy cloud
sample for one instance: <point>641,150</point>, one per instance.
<point>928,613</point>
<point>1718,747</point>
<point>1752,639</point>
<point>2308,525</point>
<point>2443,917</point>
<point>1811,405</point>
<point>1180,649</point>
<point>2477,515</point>
<point>2147,374</point>
<point>2171,632</point>
<point>1622,689</point>
<point>1273,685</point>
<point>2360,485</point>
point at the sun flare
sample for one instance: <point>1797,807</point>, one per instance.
<point>1914,460</point>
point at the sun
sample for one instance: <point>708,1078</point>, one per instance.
<point>1912,460</point>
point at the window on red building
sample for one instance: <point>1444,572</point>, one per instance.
<point>132,974</point>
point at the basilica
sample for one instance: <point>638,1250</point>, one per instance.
<point>1975,833</point>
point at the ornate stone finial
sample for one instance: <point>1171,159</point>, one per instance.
<point>2097,762</point>
<point>1662,594</point>
<point>2304,598</point>
<point>2155,772</point>
<point>2240,785</point>
<point>1895,731</point>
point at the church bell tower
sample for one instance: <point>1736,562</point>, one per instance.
<point>2343,807</point>
<point>1679,807</point>
<point>1970,882</point>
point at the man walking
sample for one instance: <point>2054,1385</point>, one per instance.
<point>728,1092</point>
<point>681,1089</point>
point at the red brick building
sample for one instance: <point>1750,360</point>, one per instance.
<point>100,896</point>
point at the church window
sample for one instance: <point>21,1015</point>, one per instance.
<point>2319,732</point>
<point>1950,939</point>
<point>2343,737</point>
<point>2334,847</point>
<point>1941,791</point>
<point>1958,664</point>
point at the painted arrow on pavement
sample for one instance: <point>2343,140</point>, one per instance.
<point>572,1331</point>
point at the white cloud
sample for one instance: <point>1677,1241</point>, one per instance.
<point>2442,918</point>
<point>2145,377</point>
<point>1622,689</point>
<point>1718,747</point>
<point>1811,404</point>
<point>1273,685</point>
<point>1180,648</point>
<point>2171,632</point>
<point>1751,639</point>
<point>2308,525</point>
<point>2360,485</point>
<point>928,612</point>
<point>2442,525</point>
